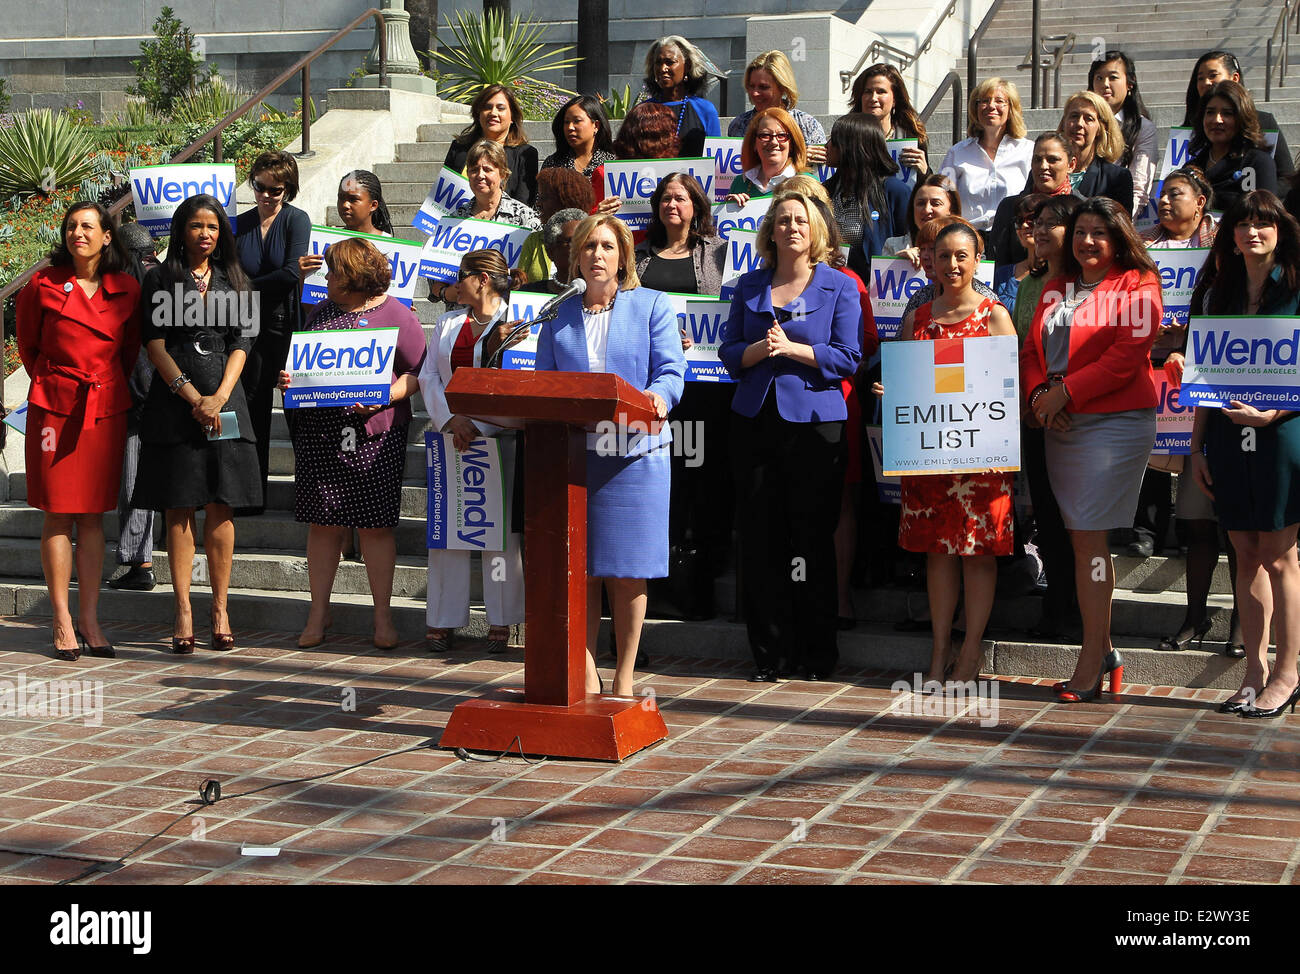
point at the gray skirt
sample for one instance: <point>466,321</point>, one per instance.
<point>1096,467</point>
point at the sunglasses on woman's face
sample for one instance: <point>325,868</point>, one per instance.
<point>268,190</point>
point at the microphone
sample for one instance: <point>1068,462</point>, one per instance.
<point>550,310</point>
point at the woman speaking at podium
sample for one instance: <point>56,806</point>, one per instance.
<point>631,331</point>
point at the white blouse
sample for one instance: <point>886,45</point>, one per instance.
<point>596,328</point>
<point>983,183</point>
<point>1143,166</point>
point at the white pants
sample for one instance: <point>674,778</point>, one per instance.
<point>503,574</point>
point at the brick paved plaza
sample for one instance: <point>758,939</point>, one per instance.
<point>757,783</point>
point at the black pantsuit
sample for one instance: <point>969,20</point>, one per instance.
<point>788,482</point>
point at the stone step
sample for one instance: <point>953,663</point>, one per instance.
<point>874,646</point>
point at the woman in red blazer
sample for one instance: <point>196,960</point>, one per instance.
<point>78,335</point>
<point>1086,372</point>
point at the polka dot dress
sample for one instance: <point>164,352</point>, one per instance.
<point>359,487</point>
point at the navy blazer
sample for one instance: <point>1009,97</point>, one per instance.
<point>1103,178</point>
<point>828,316</point>
<point>645,348</point>
<point>878,227</point>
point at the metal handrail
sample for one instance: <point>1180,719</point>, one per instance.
<point>1280,27</point>
<point>906,60</point>
<point>951,80</point>
<point>214,134</point>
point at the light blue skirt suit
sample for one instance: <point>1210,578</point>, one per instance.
<point>627,494</point>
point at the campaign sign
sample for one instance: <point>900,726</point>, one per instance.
<point>448,193</point>
<point>634,182</point>
<point>888,489</point>
<point>1179,270</point>
<point>701,317</point>
<point>159,190</point>
<point>1173,420</point>
<point>1252,360</point>
<point>725,154</point>
<point>451,239</point>
<point>1270,136</point>
<point>403,263</point>
<point>893,282</point>
<point>742,257</point>
<point>16,419</point>
<point>896,147</point>
<point>1177,152</point>
<point>340,368</point>
<point>951,406</point>
<point>524,306</point>
<point>824,173</point>
<point>467,508</point>
<point>728,216</point>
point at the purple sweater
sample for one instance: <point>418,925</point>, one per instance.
<point>406,361</point>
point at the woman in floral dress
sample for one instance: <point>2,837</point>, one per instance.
<point>961,521</point>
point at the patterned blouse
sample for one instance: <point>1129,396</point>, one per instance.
<point>563,159</point>
<point>509,210</point>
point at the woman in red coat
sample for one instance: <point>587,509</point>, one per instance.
<point>1086,373</point>
<point>78,335</point>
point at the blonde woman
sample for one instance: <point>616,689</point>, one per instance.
<point>1089,126</point>
<point>993,162</point>
<point>769,82</point>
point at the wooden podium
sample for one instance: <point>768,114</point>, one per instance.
<point>553,714</point>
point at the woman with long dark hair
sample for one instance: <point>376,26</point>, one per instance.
<point>1086,375</point>
<point>1229,146</point>
<point>497,117</point>
<point>1255,270</point>
<point>880,93</point>
<point>1215,66</point>
<point>933,196</point>
<point>582,136</point>
<point>187,460</point>
<point>78,335</point>
<point>1113,76</point>
<point>869,206</point>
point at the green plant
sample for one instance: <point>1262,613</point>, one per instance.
<point>137,113</point>
<point>210,103</point>
<point>4,97</point>
<point>617,104</point>
<point>490,53</point>
<point>42,151</point>
<point>78,115</point>
<point>169,67</point>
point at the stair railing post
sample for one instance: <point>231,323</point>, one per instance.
<point>1036,29</point>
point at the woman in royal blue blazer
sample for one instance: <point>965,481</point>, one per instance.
<point>792,336</point>
<point>623,328</point>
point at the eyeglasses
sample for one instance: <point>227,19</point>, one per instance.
<point>268,190</point>
<point>780,138</point>
<point>1047,225</point>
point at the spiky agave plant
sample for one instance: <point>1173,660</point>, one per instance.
<point>488,52</point>
<point>42,151</point>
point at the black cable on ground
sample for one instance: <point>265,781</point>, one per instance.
<point>210,794</point>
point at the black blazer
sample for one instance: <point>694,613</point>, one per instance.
<point>1103,178</point>
<point>521,160</point>
<point>1226,175</point>
<point>1282,160</point>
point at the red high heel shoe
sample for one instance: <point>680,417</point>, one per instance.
<point>1113,664</point>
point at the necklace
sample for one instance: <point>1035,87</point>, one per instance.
<point>201,280</point>
<point>479,321</point>
<point>603,308</point>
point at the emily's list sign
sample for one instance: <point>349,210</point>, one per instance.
<point>951,406</point>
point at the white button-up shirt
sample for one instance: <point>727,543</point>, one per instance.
<point>984,183</point>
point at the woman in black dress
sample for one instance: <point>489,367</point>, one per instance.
<point>498,119</point>
<point>197,326</point>
<point>270,238</point>
<point>1229,146</point>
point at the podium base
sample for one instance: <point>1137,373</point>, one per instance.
<point>599,728</point>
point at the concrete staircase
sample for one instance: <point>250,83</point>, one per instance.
<point>269,584</point>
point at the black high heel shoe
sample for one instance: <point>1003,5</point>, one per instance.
<point>1176,643</point>
<point>74,654</point>
<point>103,652</point>
<point>1112,661</point>
<point>1254,713</point>
<point>1113,664</point>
